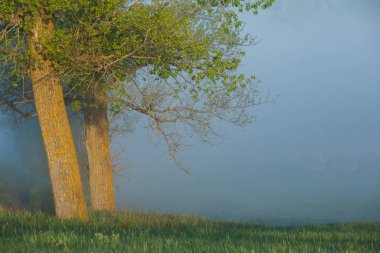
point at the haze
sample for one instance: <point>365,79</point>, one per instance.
<point>312,156</point>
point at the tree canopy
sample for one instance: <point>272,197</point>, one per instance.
<point>176,62</point>
<point>173,61</point>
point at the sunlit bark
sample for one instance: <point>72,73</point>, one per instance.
<point>55,129</point>
<point>97,141</point>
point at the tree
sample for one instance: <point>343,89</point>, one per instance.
<point>24,25</point>
<point>172,61</point>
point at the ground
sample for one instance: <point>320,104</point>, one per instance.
<point>144,232</point>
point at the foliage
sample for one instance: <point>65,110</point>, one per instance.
<point>12,194</point>
<point>137,232</point>
<point>9,195</point>
<point>41,198</point>
<point>173,61</point>
<point>27,195</point>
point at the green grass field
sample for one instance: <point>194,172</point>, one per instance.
<point>137,232</point>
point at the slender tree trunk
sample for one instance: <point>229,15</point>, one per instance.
<point>97,141</point>
<point>55,129</point>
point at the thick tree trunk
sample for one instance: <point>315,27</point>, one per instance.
<point>55,129</point>
<point>97,141</point>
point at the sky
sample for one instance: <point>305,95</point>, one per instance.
<point>311,156</point>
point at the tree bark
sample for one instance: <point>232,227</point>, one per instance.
<point>55,129</point>
<point>97,142</point>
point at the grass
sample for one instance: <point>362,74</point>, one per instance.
<point>138,232</point>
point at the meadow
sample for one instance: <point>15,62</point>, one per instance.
<point>147,232</point>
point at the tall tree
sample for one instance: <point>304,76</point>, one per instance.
<point>172,61</point>
<point>24,26</point>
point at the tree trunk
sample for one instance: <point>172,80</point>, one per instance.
<point>97,141</point>
<point>55,129</point>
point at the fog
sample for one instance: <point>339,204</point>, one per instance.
<point>312,156</point>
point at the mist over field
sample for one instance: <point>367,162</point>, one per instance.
<point>312,156</point>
